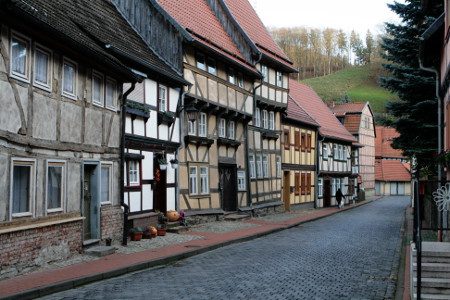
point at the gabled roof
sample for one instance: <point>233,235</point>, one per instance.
<point>351,107</point>
<point>391,170</point>
<point>351,113</point>
<point>383,142</point>
<point>296,112</point>
<point>330,126</point>
<point>200,21</point>
<point>249,20</point>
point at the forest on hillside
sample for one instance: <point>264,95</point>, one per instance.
<point>320,52</point>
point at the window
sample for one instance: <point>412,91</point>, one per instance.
<point>106,182</point>
<point>264,119</point>
<point>265,165</point>
<point>303,185</point>
<point>193,181</point>
<point>320,187</point>
<point>286,139</point>
<point>200,58</point>
<point>297,140</point>
<point>231,77</point>
<point>251,159</point>
<point>258,166</point>
<point>134,173</point>
<point>111,93</point>
<point>278,161</point>
<point>335,151</point>
<point>42,67</point>
<point>55,185</point>
<point>257,117</point>
<point>22,187</point>
<point>69,79</point>
<point>324,151</point>
<point>222,128</point>
<point>265,73</point>
<point>211,66</point>
<point>162,98</point>
<point>20,57</point>
<point>231,130</point>
<point>303,142</point>
<point>204,181</point>
<point>279,79</point>
<point>308,143</point>
<point>192,127</point>
<point>202,129</point>
<point>333,186</point>
<point>241,180</point>
<point>97,88</point>
<point>343,186</point>
<point>308,184</point>
<point>240,79</point>
<point>297,184</point>
<point>271,120</point>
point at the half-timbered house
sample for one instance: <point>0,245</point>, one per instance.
<point>60,128</point>
<point>271,99</point>
<point>152,123</point>
<point>334,147</point>
<point>218,61</point>
<point>358,119</point>
<point>299,138</point>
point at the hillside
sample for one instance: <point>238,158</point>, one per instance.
<point>361,84</point>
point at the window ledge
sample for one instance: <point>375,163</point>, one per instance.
<point>228,142</point>
<point>198,140</point>
<point>39,225</point>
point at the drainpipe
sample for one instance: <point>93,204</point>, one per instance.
<point>126,208</point>
<point>317,168</point>
<point>182,95</point>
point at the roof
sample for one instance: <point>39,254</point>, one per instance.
<point>330,126</point>
<point>352,123</point>
<point>351,112</point>
<point>383,142</point>
<point>391,170</point>
<point>351,107</point>
<point>296,112</point>
<point>249,20</point>
<point>200,21</point>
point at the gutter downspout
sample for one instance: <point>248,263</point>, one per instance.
<point>317,168</point>
<point>122,164</point>
<point>181,124</point>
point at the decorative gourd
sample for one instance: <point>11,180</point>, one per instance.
<point>172,215</point>
<point>152,229</point>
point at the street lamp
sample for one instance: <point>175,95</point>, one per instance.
<point>192,112</point>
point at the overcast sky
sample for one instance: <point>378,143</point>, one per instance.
<point>348,15</point>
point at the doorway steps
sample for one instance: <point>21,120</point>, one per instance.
<point>435,282</point>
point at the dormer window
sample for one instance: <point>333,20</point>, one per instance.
<point>279,79</point>
<point>231,76</point>
<point>162,98</point>
<point>265,73</point>
<point>200,58</point>
<point>211,66</point>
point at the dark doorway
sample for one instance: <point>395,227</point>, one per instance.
<point>91,201</point>
<point>326,193</point>
<point>228,186</point>
<point>160,187</point>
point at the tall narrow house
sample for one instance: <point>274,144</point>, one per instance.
<point>271,100</point>
<point>219,62</point>
<point>334,147</point>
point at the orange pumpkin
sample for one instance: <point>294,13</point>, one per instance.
<point>172,215</point>
<point>152,229</point>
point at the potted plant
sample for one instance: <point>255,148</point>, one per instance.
<point>136,234</point>
<point>153,231</point>
<point>174,162</point>
<point>162,164</point>
<point>161,231</point>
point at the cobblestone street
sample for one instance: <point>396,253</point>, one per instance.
<point>351,255</point>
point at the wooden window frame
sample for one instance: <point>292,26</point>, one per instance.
<point>15,36</point>
<point>31,196</point>
<point>47,86</point>
<point>297,184</point>
<point>297,141</point>
<point>287,139</point>
<point>303,137</point>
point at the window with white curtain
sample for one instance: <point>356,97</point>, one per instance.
<point>106,176</point>
<point>251,160</point>
<point>240,79</point>
<point>265,73</point>
<point>279,79</point>
<point>133,172</point>
<point>231,130</point>
<point>97,88</point>
<point>193,185</point>
<point>110,93</point>
<point>55,185</point>
<point>271,120</point>
<point>222,128</point>
<point>231,76</point>
<point>257,117</point>
<point>320,187</point>
<point>22,187</point>
<point>20,57</point>
<point>265,166</point>
<point>202,125</point>
<point>265,123</point>
<point>69,79</point>
<point>162,98</point>
<point>204,180</point>
<point>325,151</point>
<point>192,127</point>
<point>259,172</point>
<point>42,67</point>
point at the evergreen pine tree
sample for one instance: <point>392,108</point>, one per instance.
<point>415,115</point>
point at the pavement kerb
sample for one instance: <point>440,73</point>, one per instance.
<point>77,282</point>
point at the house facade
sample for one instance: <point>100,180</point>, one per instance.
<point>60,128</point>
<point>358,119</point>
<point>218,60</point>
<point>334,148</point>
<point>299,158</point>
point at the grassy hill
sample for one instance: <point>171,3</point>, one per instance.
<point>361,84</point>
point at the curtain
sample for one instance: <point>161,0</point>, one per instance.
<point>40,68</point>
<point>54,187</point>
<point>19,57</point>
<point>21,189</point>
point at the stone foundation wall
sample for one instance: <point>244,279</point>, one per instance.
<point>24,250</point>
<point>111,222</point>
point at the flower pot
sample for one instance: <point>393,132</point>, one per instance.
<point>172,215</point>
<point>136,236</point>
<point>147,235</point>
<point>161,232</point>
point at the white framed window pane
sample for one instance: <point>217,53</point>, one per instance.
<point>264,119</point>
<point>257,117</point>
<point>265,166</point>
<point>241,180</point>
<point>21,189</point>
<point>69,78</point>
<point>19,57</point>
<point>204,180</point>
<point>325,151</point>
<point>279,79</point>
<point>133,172</point>
<point>231,77</point>
<point>252,166</point>
<point>54,186</point>
<point>240,80</point>
<point>320,187</point>
<point>278,158</point>
<point>222,131</point>
<point>202,125</point>
<point>41,67</point>
<point>97,89</point>
<point>110,94</point>
<point>193,180</point>
<point>201,61</point>
<point>211,66</point>
<point>271,120</point>
<point>258,166</point>
<point>162,97</point>
<point>231,131</point>
<point>264,72</point>
<point>105,183</point>
<point>192,127</point>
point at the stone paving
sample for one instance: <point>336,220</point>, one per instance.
<point>351,255</point>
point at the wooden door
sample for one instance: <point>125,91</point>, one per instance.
<point>228,187</point>
<point>326,193</point>
<point>287,190</point>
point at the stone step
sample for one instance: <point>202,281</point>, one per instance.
<point>432,296</point>
<point>237,217</point>
<point>434,267</point>
<point>100,251</point>
<point>178,229</point>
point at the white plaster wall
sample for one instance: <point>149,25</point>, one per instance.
<point>73,187</point>
<point>147,196</point>
<point>44,121</point>
<point>94,121</point>
<point>128,124</point>
<point>152,125</point>
<point>4,185</point>
<point>147,166</point>
<point>171,199</point>
<point>170,171</point>
<point>135,201</point>
<point>9,112</point>
<point>151,93</point>
<point>139,126</point>
<point>70,122</point>
<point>173,97</point>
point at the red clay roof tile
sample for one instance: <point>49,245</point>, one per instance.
<point>391,170</point>
<point>352,107</point>
<point>296,112</point>
<point>383,143</point>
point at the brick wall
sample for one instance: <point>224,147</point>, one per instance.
<point>111,222</point>
<point>25,250</point>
